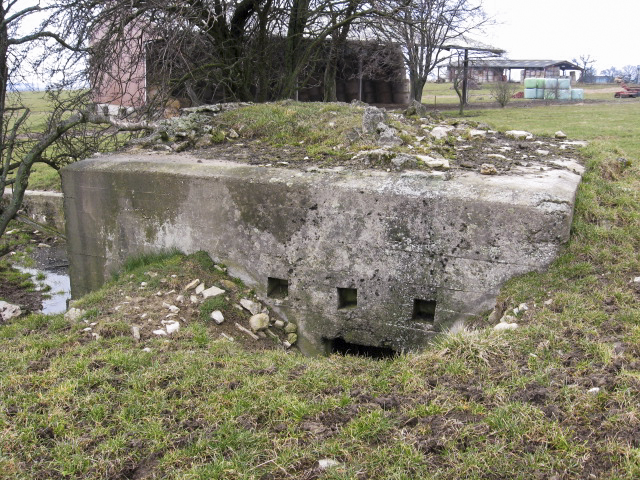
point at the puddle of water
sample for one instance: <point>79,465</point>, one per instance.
<point>53,264</point>
<point>60,288</point>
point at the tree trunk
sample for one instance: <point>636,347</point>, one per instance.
<point>295,31</point>
<point>417,86</point>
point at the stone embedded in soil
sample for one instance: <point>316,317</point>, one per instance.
<point>135,331</point>
<point>488,169</point>
<point>193,299</point>
<point>9,311</point>
<point>594,390</point>
<point>325,463</point>
<point>473,133</point>
<point>217,316</point>
<point>441,131</point>
<point>505,326</point>
<point>212,292</point>
<point>173,309</point>
<point>200,289</point>
<point>434,163</point>
<point>180,299</point>
<point>292,338</point>
<point>278,324</point>
<point>519,134</point>
<point>259,322</point>
<point>193,284</point>
<point>172,327</point>
<point>371,118</point>
<point>253,307</point>
<point>159,332</point>
<point>402,159</point>
<point>74,314</point>
<point>291,328</point>
<point>560,134</point>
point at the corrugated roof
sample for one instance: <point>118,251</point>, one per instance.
<point>506,63</point>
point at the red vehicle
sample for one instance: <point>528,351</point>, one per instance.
<point>628,92</point>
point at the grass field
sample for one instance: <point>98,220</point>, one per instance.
<point>557,398</point>
<point>435,94</point>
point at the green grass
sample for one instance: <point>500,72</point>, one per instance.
<point>435,94</point>
<point>476,404</point>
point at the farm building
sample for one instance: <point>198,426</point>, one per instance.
<point>493,70</point>
<point>366,71</point>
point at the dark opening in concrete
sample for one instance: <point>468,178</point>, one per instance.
<point>277,287</point>
<point>342,347</point>
<point>347,297</point>
<point>424,310</point>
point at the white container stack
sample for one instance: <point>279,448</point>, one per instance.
<point>551,89</point>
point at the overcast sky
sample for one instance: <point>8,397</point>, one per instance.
<point>566,29</point>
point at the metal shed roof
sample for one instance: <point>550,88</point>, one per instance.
<point>506,63</point>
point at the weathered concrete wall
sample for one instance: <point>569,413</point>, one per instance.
<point>421,251</point>
<point>43,207</point>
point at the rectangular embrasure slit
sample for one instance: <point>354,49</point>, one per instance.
<point>277,287</point>
<point>424,310</point>
<point>347,297</point>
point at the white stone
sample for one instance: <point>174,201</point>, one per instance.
<point>497,155</point>
<point>88,329</point>
<point>278,324</point>
<point>146,349</point>
<point>519,134</point>
<point>217,316</point>
<point>259,322</point>
<point>325,463</point>
<point>173,309</point>
<point>9,311</point>
<point>253,307</point>
<point>135,331</point>
<point>523,307</point>
<point>542,152</point>
<point>172,327</point>
<point>200,289</point>
<point>594,390</point>
<point>505,326</point>
<point>560,134</point>
<point>477,133</point>
<point>143,284</point>
<point>441,131</point>
<point>212,292</point>
<point>160,332</point>
<point>636,280</point>
<point>548,302</point>
<point>193,299</point>
<point>435,163</point>
<point>74,314</point>
<point>180,299</point>
<point>193,284</point>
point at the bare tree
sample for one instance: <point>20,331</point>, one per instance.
<point>424,28</point>
<point>53,52</point>
<point>586,62</point>
<point>629,73</point>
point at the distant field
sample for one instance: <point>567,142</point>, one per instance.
<point>435,94</point>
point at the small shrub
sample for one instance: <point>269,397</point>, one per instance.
<point>502,92</point>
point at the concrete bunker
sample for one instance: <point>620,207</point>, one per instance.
<point>357,258</point>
